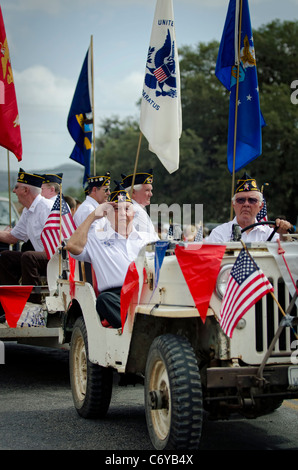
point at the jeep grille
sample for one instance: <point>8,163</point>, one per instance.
<point>268,317</point>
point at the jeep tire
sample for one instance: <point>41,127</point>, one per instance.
<point>91,384</point>
<point>173,394</point>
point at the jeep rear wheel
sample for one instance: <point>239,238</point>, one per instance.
<point>173,394</point>
<point>91,384</point>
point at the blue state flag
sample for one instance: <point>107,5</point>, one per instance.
<point>160,251</point>
<point>79,121</point>
<point>249,121</point>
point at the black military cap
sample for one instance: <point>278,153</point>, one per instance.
<point>246,183</point>
<point>53,178</point>
<point>30,178</point>
<point>140,178</point>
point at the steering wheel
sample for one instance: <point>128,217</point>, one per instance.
<point>268,222</point>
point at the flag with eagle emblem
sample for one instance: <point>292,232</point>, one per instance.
<point>160,119</point>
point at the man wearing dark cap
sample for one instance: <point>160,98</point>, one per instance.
<point>51,184</point>
<point>111,251</point>
<point>27,265</point>
<point>247,202</point>
<point>141,195</point>
<point>98,190</point>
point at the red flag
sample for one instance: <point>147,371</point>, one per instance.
<point>131,284</point>
<point>13,300</point>
<point>50,236</point>
<point>72,267</point>
<point>247,284</point>
<point>10,132</point>
<point>200,268</point>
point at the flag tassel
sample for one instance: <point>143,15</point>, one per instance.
<point>281,251</point>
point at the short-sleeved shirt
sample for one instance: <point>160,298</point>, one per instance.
<point>223,233</point>
<point>111,254</point>
<point>142,221</point>
<point>32,221</point>
<point>88,206</point>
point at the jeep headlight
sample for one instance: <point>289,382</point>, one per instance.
<point>222,280</point>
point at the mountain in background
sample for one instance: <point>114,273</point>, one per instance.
<point>72,177</point>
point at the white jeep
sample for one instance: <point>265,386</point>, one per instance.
<point>187,366</point>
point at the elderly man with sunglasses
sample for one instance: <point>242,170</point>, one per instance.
<point>247,203</point>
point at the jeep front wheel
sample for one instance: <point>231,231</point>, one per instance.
<point>173,394</point>
<point>91,384</point>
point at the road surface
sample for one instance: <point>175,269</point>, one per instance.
<point>37,413</point>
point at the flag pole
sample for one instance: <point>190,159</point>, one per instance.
<point>136,164</point>
<point>92,105</point>
<point>60,233</point>
<point>9,195</point>
<point>236,104</point>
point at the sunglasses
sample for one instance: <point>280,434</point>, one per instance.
<point>106,189</point>
<point>242,200</point>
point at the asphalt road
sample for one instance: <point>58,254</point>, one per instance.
<point>37,413</point>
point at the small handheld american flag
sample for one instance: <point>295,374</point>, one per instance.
<point>246,285</point>
<point>262,215</point>
<point>51,236</point>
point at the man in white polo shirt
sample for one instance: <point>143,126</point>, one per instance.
<point>29,265</point>
<point>141,194</point>
<point>110,251</point>
<point>51,184</point>
<point>247,202</point>
<point>98,191</point>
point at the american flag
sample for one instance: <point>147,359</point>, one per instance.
<point>50,236</point>
<point>262,215</point>
<point>199,235</point>
<point>246,285</point>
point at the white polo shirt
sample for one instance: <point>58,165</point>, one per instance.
<point>223,233</point>
<point>88,206</point>
<point>142,221</point>
<point>111,254</point>
<point>32,220</point>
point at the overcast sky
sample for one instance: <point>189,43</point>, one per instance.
<point>48,40</point>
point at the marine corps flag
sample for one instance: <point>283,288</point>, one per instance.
<point>161,118</point>
<point>80,119</point>
<point>10,132</point>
